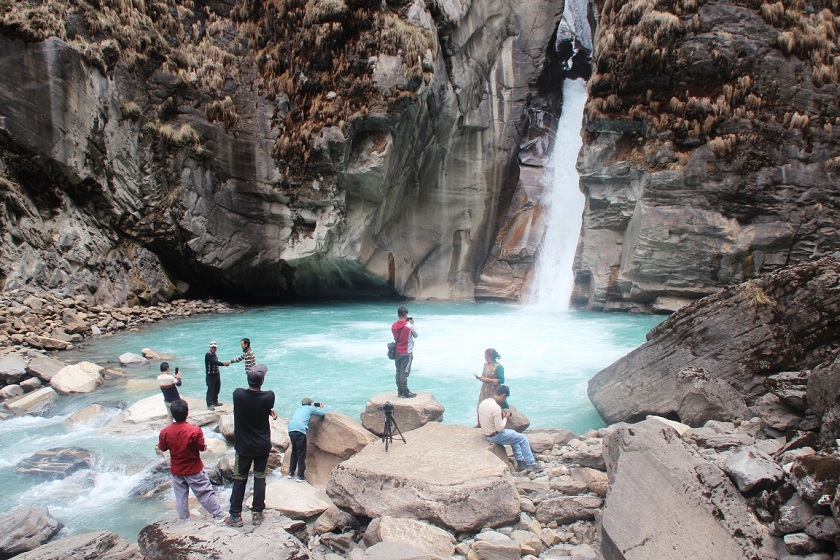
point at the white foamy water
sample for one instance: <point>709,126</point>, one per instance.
<point>565,202</point>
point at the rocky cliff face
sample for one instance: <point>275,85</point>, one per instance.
<point>710,154</point>
<point>151,148</point>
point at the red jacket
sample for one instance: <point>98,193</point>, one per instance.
<point>401,334</point>
<point>184,441</point>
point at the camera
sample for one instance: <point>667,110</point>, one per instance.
<point>387,408</point>
<point>411,318</point>
<point>177,370</point>
<point>318,405</point>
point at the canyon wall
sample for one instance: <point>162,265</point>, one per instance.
<point>710,155</point>
<point>151,149</point>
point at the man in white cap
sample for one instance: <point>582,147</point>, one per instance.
<point>214,380</point>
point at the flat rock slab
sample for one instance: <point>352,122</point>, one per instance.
<point>665,501</point>
<point>464,486</point>
<point>58,462</point>
<point>409,414</point>
<point>100,545</point>
<point>150,413</point>
<point>296,500</point>
<point>199,540</point>
<point>32,403</point>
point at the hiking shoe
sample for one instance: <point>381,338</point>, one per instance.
<point>520,465</point>
<point>217,403</point>
<point>257,518</point>
<point>409,395</point>
<point>291,475</point>
<point>234,520</point>
<point>534,468</point>
<point>301,479</point>
<point>219,519</point>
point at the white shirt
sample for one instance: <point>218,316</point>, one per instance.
<point>413,334</point>
<point>490,417</point>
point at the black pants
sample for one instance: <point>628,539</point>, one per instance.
<point>298,463</point>
<point>214,385</point>
<point>240,480</point>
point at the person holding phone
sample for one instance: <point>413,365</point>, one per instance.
<point>298,426</point>
<point>404,333</point>
<point>169,384</point>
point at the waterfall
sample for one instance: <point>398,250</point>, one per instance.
<point>553,275</point>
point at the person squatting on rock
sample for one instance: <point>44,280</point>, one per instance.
<point>404,333</point>
<point>252,408</point>
<point>184,443</point>
<point>212,376</point>
<point>248,355</point>
<point>169,384</point>
<point>493,421</point>
<point>298,426</point>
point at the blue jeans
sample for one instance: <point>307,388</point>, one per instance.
<point>518,442</point>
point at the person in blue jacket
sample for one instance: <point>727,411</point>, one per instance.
<point>298,426</point>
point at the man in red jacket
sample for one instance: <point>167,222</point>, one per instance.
<point>184,442</point>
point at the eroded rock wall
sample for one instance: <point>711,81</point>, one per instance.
<point>710,154</point>
<point>134,171</point>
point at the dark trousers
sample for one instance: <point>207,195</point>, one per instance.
<point>214,385</point>
<point>240,480</point>
<point>298,463</point>
<point>403,365</point>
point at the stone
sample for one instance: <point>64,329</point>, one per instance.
<point>83,377</point>
<point>824,384</point>
<point>484,550</point>
<point>776,413</point>
<point>195,540</point>
<point>330,440</point>
<point>700,397</point>
<point>99,545</point>
<point>463,488</point>
<point>12,369</point>
<point>596,481</point>
<point>752,469</point>
<point>780,330</point>
<point>11,391</point>
<point>150,413</point>
<point>794,515</point>
<point>419,534</point>
<point>791,388</point>
<point>215,446</point>
<point>296,501</point>
<point>823,527</point>
<point>129,359</point>
<point>409,414</point>
<point>651,471</point>
<point>816,475</point>
<point>151,354</point>
<point>44,368</point>
<point>395,551</point>
<point>31,384</point>
<point>528,541</point>
<point>540,442</point>
<point>334,518</point>
<point>800,543</point>
<point>57,462</point>
<point>35,402</point>
<point>279,433</point>
<point>568,509</point>
<point>46,342</point>
<point>73,323</point>
<point>89,415</point>
<point>25,528</point>
<point>226,426</point>
<point>156,480</point>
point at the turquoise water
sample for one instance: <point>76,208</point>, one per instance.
<point>334,353</point>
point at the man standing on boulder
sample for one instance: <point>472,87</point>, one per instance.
<point>252,409</point>
<point>493,421</point>
<point>211,373</point>
<point>248,355</point>
<point>404,333</point>
<point>169,384</point>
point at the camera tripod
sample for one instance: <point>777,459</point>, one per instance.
<point>388,432</point>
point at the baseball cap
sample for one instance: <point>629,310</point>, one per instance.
<point>256,374</point>
<point>214,344</point>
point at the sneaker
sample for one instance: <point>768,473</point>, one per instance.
<point>211,407</point>
<point>534,468</point>
<point>291,475</point>
<point>521,465</point>
<point>257,517</point>
<point>409,395</point>
<point>217,403</point>
<point>233,520</point>
<point>219,519</point>
<point>301,479</point>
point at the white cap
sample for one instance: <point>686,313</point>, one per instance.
<point>214,344</point>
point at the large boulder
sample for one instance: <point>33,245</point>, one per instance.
<point>198,540</point>
<point>35,402</point>
<point>409,414</point>
<point>24,528</point>
<point>428,538</point>
<point>331,440</point>
<point>824,384</point>
<point>100,545</point>
<point>446,474</point>
<point>12,369</point>
<point>701,398</point>
<point>752,469</point>
<point>150,413</point>
<point>45,368</point>
<point>780,322</point>
<point>665,501</point>
<point>83,377</point>
<point>58,462</point>
<point>73,322</point>
<point>296,501</point>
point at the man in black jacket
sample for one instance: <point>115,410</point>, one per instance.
<point>214,380</point>
<point>252,409</point>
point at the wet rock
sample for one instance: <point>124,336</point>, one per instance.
<point>25,528</point>
<point>465,487</point>
<point>129,359</point>
<point>100,545</point>
<point>424,536</point>
<point>157,481</point>
<point>36,402</point>
<point>57,462</point>
<point>409,414</point>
